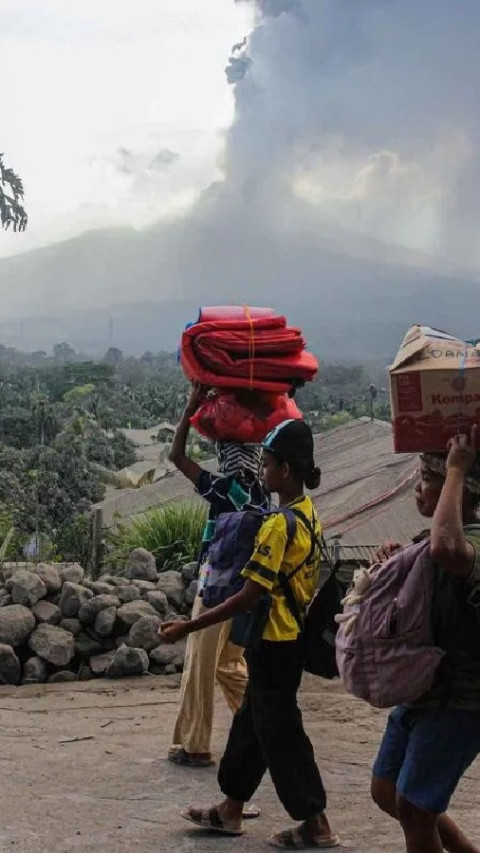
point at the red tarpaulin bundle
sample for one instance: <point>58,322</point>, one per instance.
<point>233,347</point>
<point>245,416</point>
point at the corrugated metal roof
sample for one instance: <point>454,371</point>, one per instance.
<point>366,494</point>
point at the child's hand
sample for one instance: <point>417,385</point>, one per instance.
<point>462,451</point>
<point>172,632</point>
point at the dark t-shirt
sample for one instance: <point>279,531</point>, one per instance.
<point>456,630</point>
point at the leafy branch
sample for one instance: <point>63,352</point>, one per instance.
<point>12,211</point>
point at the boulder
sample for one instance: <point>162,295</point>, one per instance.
<point>105,621</point>
<point>74,573</point>
<point>34,671</point>
<point>133,611</point>
<point>191,593</point>
<point>144,587</point>
<point>16,624</point>
<point>127,593</point>
<point>171,584</point>
<point>53,644</point>
<point>5,598</point>
<point>26,588</point>
<point>127,662</point>
<point>164,654</point>
<point>115,580</point>
<point>141,565</point>
<point>62,676</point>
<point>144,633</point>
<point>45,611</point>
<point>87,646</point>
<point>90,609</point>
<point>72,597</point>
<point>85,673</point>
<point>10,668</point>
<point>102,588</point>
<point>50,577</point>
<point>189,573</point>
<point>72,625</point>
<point>100,663</point>
<point>158,600</point>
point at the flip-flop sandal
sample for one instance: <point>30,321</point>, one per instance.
<point>251,813</point>
<point>211,820</point>
<point>301,838</point>
<point>183,759</point>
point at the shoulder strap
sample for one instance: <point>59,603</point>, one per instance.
<point>290,598</point>
<point>318,541</point>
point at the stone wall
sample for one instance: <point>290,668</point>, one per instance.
<point>57,625</point>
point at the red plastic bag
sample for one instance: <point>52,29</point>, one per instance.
<point>243,416</point>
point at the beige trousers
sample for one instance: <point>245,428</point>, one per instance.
<point>210,657</point>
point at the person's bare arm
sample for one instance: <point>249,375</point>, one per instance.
<point>178,455</point>
<point>242,602</point>
<point>448,545</point>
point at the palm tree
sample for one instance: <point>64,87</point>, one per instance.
<point>12,211</point>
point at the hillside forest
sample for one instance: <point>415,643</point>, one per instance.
<point>64,422</point>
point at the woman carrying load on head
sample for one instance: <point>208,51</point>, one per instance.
<point>428,745</point>
<point>267,732</point>
<point>211,656</point>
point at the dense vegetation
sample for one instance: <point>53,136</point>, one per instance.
<point>61,438</point>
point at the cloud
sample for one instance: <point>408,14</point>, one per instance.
<point>370,112</point>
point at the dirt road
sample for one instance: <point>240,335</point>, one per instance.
<point>112,789</point>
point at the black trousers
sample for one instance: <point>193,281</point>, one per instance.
<point>267,734</point>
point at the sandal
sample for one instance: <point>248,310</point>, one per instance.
<point>301,838</point>
<point>210,819</point>
<point>186,759</point>
<point>251,812</point>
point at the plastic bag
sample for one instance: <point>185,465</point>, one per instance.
<point>243,416</point>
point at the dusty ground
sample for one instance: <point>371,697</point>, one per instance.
<point>115,791</point>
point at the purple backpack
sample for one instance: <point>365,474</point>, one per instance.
<point>232,546</point>
<point>384,645</point>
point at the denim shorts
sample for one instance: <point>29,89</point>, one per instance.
<point>425,752</point>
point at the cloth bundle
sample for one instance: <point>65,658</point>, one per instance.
<point>254,362</point>
<point>233,347</point>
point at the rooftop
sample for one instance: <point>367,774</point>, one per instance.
<point>366,494</point>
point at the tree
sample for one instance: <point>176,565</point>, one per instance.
<point>12,211</point>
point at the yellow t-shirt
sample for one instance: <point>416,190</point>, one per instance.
<point>272,555</point>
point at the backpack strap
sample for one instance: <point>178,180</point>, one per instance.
<point>284,579</point>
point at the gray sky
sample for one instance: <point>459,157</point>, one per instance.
<point>113,112</point>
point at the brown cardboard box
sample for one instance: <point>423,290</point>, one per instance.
<point>434,390</point>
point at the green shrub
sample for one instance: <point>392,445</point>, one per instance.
<point>173,534</point>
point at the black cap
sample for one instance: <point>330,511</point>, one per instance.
<point>291,440</point>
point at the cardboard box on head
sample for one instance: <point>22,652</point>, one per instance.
<point>434,390</point>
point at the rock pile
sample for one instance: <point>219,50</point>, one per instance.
<point>58,625</point>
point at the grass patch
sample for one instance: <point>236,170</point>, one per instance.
<point>173,534</point>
